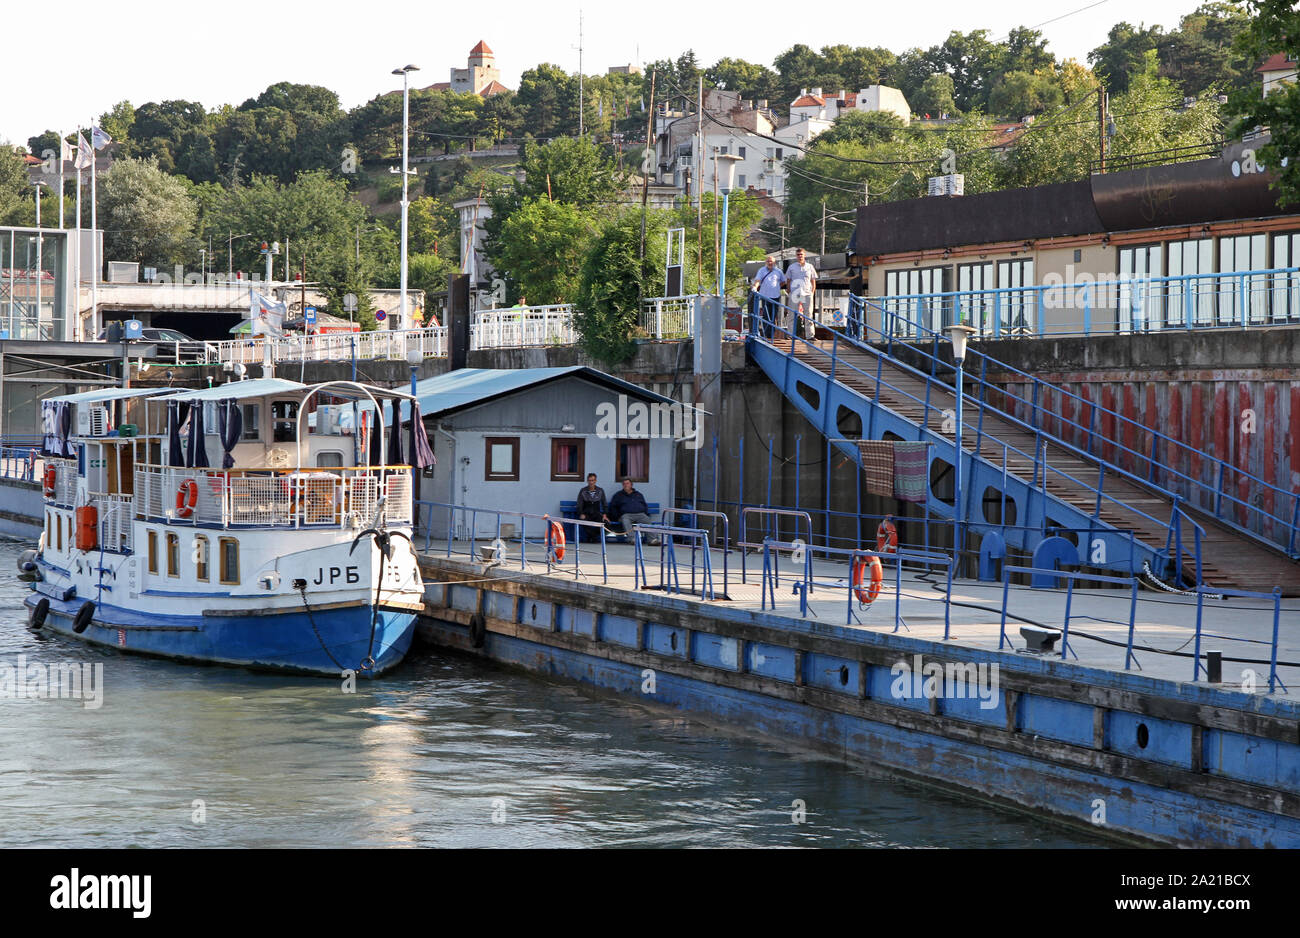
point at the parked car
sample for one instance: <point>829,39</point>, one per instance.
<point>173,345</point>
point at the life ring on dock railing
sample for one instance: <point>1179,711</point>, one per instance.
<point>867,596</point>
<point>187,496</point>
<point>886,537</point>
<point>557,541</point>
<point>51,477</point>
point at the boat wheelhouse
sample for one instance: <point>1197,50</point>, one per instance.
<point>261,523</point>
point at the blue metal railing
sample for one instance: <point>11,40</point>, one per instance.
<point>20,462</point>
<point>669,572</point>
<point>763,324</point>
<point>1279,527</point>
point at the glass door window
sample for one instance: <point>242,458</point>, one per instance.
<point>1284,295</point>
<point>973,306</point>
<point>1194,296</point>
<point>1242,296</point>
<point>1139,298</point>
<point>1018,303</point>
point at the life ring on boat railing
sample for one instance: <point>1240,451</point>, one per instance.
<point>51,477</point>
<point>39,612</point>
<point>887,536</point>
<point>860,564</point>
<point>84,615</point>
<point>557,541</point>
<point>187,496</point>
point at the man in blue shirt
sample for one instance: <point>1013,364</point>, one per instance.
<point>767,284</point>
<point>629,507</point>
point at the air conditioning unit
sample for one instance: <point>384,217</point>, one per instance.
<point>92,420</point>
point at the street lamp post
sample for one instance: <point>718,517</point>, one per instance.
<point>230,254</point>
<point>726,173</point>
<point>958,333</point>
<point>405,72</point>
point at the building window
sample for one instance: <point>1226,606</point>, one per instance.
<point>918,306</point>
<point>173,555</point>
<point>229,548</point>
<point>1018,304</point>
<point>252,422</point>
<point>567,457</point>
<point>152,539</point>
<point>1187,258</point>
<point>976,309</point>
<point>740,152</point>
<point>632,460</point>
<point>1238,295</point>
<point>501,462</point>
<point>742,180</point>
<point>1285,295</point>
<point>1139,300</point>
<point>779,153</point>
<point>201,558</point>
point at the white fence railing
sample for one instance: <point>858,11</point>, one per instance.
<point>337,346</point>
<point>116,514</point>
<point>267,498</point>
<point>522,326</point>
<point>668,317</point>
<point>65,480</point>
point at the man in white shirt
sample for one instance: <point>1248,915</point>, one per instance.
<point>801,281</point>
<point>767,284</point>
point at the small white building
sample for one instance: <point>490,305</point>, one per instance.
<point>524,439</point>
<point>812,104</point>
<point>1277,69</point>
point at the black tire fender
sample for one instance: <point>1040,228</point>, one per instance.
<point>84,615</point>
<point>477,630</point>
<point>39,612</point>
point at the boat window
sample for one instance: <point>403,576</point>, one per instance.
<point>284,421</point>
<point>229,556</point>
<point>201,557</point>
<point>330,459</point>
<point>252,422</point>
<point>58,523</point>
<point>173,555</point>
<point>152,539</point>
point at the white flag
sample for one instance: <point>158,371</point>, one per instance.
<point>99,138</point>
<point>85,158</point>
<point>65,149</point>
<point>267,315</point>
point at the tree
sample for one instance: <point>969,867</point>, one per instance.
<point>16,201</point>
<point>1123,53</point>
<point>936,96</point>
<point>971,61</point>
<point>569,169</point>
<point>864,127</point>
<point>147,215</point>
<point>541,246</point>
<point>1016,94</point>
<point>1274,28</point>
<point>118,120</point>
<point>614,279</point>
<point>747,79</point>
<point>548,97</point>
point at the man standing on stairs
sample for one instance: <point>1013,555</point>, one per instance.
<point>767,284</point>
<point>801,281</point>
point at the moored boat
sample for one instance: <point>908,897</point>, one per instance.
<point>293,552</point>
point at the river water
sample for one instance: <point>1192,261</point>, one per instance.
<point>444,752</point>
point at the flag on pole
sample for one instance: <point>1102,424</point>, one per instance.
<point>99,138</point>
<point>85,158</point>
<point>65,150</point>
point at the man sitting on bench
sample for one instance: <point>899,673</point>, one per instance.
<point>591,507</point>
<point>628,507</point>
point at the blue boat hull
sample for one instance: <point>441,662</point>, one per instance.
<point>331,641</point>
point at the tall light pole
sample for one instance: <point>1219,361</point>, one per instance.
<point>405,72</point>
<point>728,173</point>
<point>230,254</point>
<point>958,333</point>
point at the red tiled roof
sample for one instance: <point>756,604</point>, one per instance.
<point>491,88</point>
<point>481,48</point>
<point>809,100</point>
<point>1277,62</point>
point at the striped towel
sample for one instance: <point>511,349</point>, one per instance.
<point>911,471</point>
<point>878,466</point>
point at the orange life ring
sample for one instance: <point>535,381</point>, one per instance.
<point>187,496</point>
<point>887,537</point>
<point>867,596</point>
<point>557,540</point>
<point>51,477</point>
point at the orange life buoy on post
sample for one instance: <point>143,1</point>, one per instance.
<point>51,477</point>
<point>887,537</point>
<point>867,596</point>
<point>187,496</point>
<point>557,540</point>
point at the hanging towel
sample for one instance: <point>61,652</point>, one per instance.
<point>878,466</point>
<point>911,471</point>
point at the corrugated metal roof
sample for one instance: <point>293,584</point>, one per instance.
<point>469,387</point>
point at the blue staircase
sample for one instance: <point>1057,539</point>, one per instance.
<point>1022,485</point>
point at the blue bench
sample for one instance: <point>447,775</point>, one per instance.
<point>569,510</point>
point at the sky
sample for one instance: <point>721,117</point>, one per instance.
<point>150,50</point>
